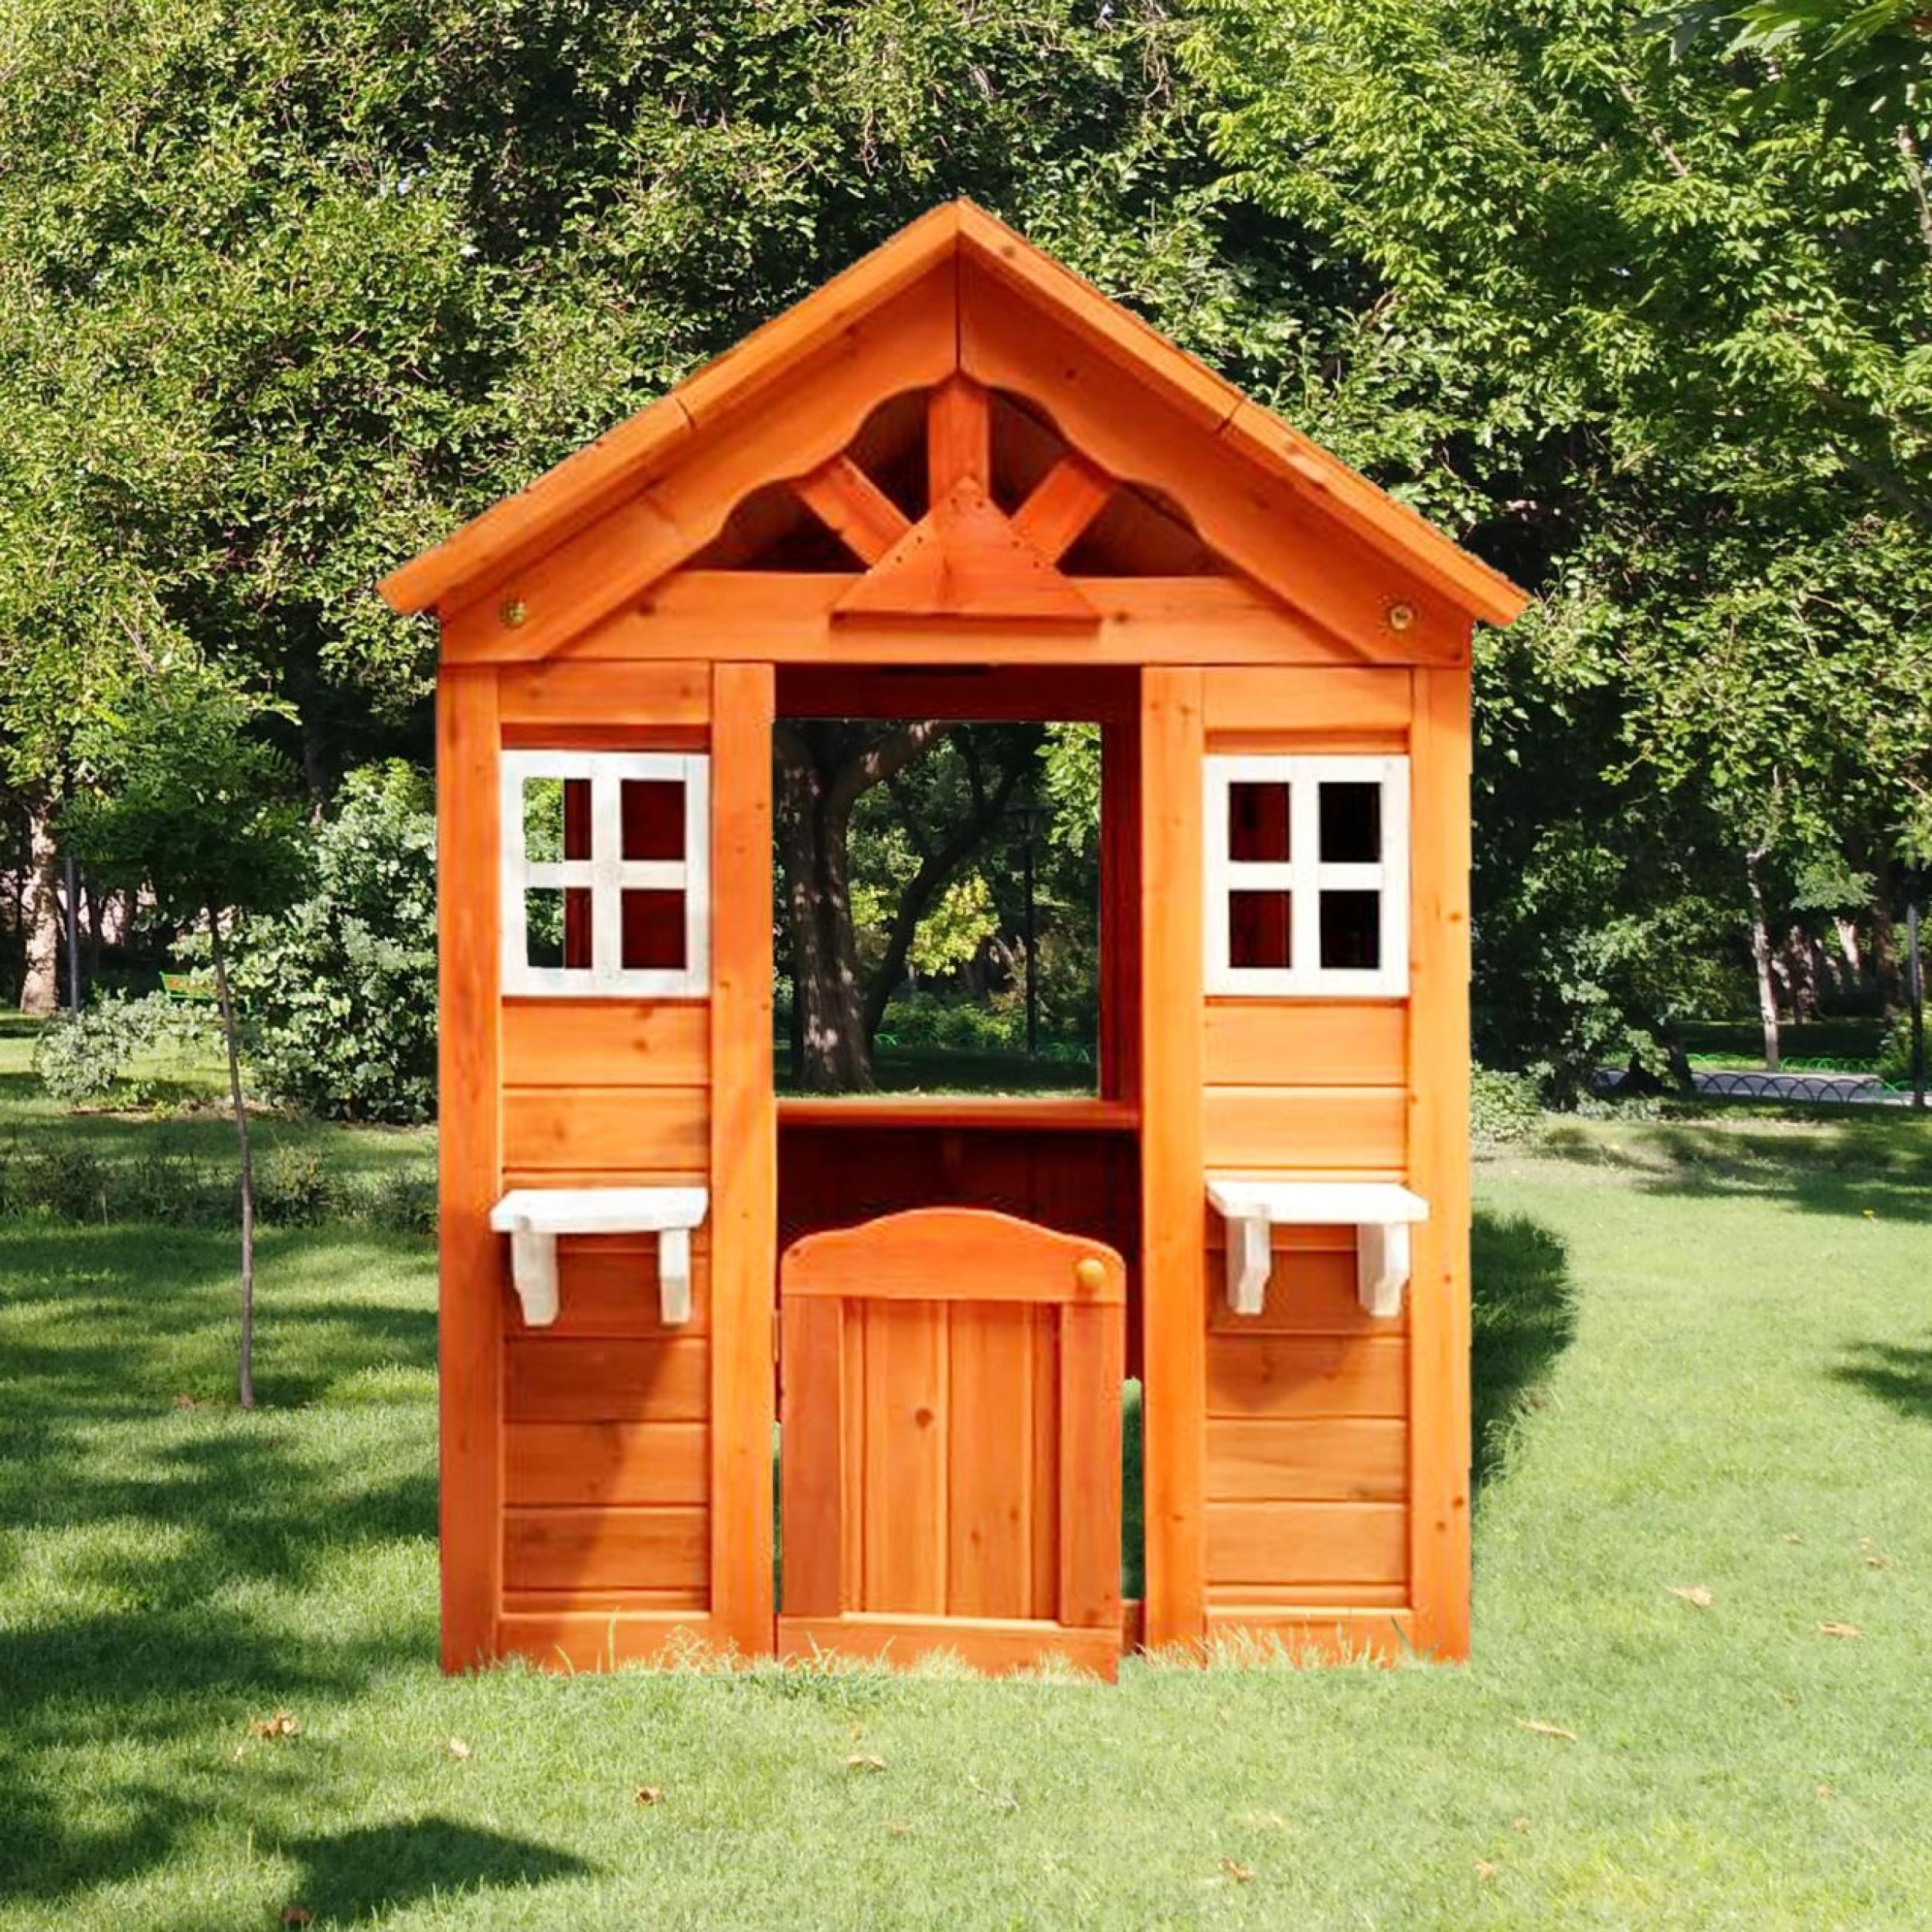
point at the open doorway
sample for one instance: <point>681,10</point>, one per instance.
<point>936,888</point>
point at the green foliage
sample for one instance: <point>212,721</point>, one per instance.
<point>1503,1107</point>
<point>341,987</point>
<point>177,795</point>
<point>92,1056</point>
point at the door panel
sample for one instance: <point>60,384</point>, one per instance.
<point>950,1462</point>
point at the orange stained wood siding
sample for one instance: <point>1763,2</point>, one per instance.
<point>1172,1183</point>
<point>1439,1104</point>
<point>580,1463</point>
<point>1264,1129</point>
<point>608,1288</point>
<point>565,1043</point>
<point>468,1159</point>
<point>604,1129</point>
<point>742,1157</point>
<point>1245,702</point>
<point>1305,1043</point>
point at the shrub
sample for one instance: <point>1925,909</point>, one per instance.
<point>293,1189</point>
<point>342,990</point>
<point>92,1055</point>
<point>1895,1058</point>
<point>1503,1106</point>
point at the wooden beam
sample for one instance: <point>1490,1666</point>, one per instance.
<point>469,1339</point>
<point>1439,1164</point>
<point>1188,620</point>
<point>744,1153</point>
<point>958,438</point>
<point>853,508</point>
<point>1065,500</point>
<point>1173,1190</point>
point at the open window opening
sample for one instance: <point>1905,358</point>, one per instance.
<point>936,900</point>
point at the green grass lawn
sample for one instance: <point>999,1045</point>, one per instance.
<point>1705,1357</point>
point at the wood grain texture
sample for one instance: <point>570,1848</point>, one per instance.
<point>468,1160</point>
<point>1294,1543</point>
<point>949,1254</point>
<point>1307,1042</point>
<point>1330,1459</point>
<point>1294,703</point>
<point>958,445</point>
<point>654,696</point>
<point>607,1287</point>
<point>1320,1129</point>
<point>853,508</point>
<point>1310,1291</point>
<point>1166,619</point>
<point>742,1156</point>
<point>663,1547</point>
<point>1063,503</point>
<point>993,1475</point>
<point>812,1457</point>
<point>587,1463</point>
<point>1288,1376</point>
<point>563,1381</point>
<point>1439,1116</point>
<point>1092,1343</point>
<point>1172,1187</point>
<point>549,1042</point>
<point>603,1129</point>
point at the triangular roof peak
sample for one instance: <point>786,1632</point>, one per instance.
<point>995,308</point>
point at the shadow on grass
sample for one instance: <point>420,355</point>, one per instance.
<point>1522,1316</point>
<point>1898,1376</point>
<point>354,1875</point>
<point>131,1527</point>
<point>1879,1166</point>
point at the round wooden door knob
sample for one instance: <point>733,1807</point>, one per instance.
<point>1091,1272</point>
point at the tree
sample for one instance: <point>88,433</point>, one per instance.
<point>179,796</point>
<point>825,769</point>
<point>1654,335</point>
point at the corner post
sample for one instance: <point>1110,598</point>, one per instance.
<point>469,1145</point>
<point>1439,1163</point>
<point>1173,1199</point>
<point>744,1184</point>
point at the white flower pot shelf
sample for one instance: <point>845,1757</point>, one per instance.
<point>1380,1212</point>
<point>533,1217</point>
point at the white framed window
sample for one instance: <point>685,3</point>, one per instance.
<point>1308,876</point>
<point>607,873</point>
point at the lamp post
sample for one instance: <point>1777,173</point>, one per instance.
<point>1030,817</point>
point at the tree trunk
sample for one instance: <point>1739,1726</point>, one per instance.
<point>245,1377</point>
<point>40,918</point>
<point>1761,960</point>
<point>829,1017</point>
<point>1885,968</point>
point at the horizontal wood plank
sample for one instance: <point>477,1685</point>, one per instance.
<point>557,691</point>
<point>1293,1128</point>
<point>604,1129</point>
<point>572,1639</point>
<point>585,1463</point>
<point>566,1381</point>
<point>986,1644</point>
<point>662,1548</point>
<point>1285,1375</point>
<point>1309,1291</point>
<point>1143,620</point>
<point>1330,1459</point>
<point>1307,1042</point>
<point>606,1042</point>
<point>608,1285</point>
<point>1291,1543</point>
<point>693,1175</point>
<point>1296,701</point>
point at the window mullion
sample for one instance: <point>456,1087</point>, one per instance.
<point>606,875</point>
<point>1304,907</point>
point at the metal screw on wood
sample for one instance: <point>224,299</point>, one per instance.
<point>514,612</point>
<point>1401,616</point>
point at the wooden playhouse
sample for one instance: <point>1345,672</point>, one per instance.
<point>956,482</point>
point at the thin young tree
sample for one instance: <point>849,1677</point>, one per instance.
<point>177,794</point>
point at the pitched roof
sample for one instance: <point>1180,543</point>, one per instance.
<point>594,481</point>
